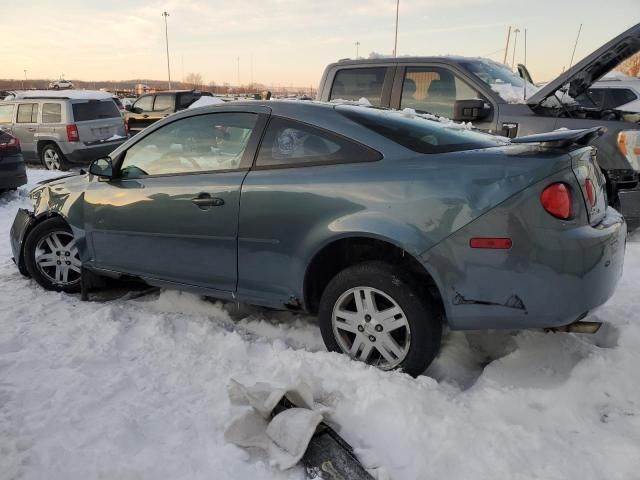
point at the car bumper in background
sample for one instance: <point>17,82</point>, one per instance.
<point>13,172</point>
<point>87,154</point>
<point>630,206</point>
<point>550,277</point>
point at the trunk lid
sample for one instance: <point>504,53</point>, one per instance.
<point>591,68</point>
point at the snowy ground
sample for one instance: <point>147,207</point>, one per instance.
<point>136,389</point>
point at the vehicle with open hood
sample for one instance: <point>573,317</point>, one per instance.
<point>495,99</point>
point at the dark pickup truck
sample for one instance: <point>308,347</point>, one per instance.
<point>497,100</point>
<point>152,107</point>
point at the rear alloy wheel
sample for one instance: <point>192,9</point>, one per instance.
<point>373,313</point>
<point>51,256</point>
<point>52,158</point>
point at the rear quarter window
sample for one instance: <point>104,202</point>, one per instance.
<point>94,110</point>
<point>357,83</point>
<point>288,143</point>
<point>418,134</point>
<point>51,113</point>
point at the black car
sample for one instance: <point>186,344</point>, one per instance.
<point>152,107</point>
<point>13,172</point>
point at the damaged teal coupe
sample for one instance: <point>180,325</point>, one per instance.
<point>386,225</point>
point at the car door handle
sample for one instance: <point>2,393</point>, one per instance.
<point>204,201</point>
<point>145,116</point>
<point>31,129</point>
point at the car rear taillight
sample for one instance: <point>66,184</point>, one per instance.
<point>556,200</point>
<point>13,142</point>
<point>591,192</point>
<point>72,133</point>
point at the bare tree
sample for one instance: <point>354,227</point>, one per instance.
<point>631,66</point>
<point>194,79</point>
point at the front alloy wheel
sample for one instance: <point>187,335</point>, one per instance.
<point>377,313</point>
<point>52,257</point>
<point>57,258</point>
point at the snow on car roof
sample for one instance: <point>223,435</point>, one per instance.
<point>70,94</point>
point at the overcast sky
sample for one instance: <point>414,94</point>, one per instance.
<point>288,42</point>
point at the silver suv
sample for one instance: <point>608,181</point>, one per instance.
<point>63,128</point>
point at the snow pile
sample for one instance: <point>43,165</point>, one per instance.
<point>137,389</point>
<point>362,101</point>
<point>411,113</point>
<point>115,137</point>
<point>205,101</point>
<point>513,94</point>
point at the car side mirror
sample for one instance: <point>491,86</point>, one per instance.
<point>102,167</point>
<point>128,107</point>
<point>136,110</point>
<point>469,110</point>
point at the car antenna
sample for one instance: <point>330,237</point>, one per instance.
<point>525,64</point>
<point>575,46</point>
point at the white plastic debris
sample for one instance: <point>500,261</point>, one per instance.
<point>284,437</point>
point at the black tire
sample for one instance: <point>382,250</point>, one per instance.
<point>40,231</point>
<point>422,315</point>
<point>53,149</point>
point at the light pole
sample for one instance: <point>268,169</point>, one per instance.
<point>515,44</point>
<point>357,49</point>
<point>166,38</point>
<point>25,79</point>
<point>395,43</point>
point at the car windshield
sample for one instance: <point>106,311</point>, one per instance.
<point>506,83</point>
<point>417,132</point>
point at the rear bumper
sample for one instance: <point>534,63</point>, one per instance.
<point>550,277</point>
<point>13,172</point>
<point>86,154</point>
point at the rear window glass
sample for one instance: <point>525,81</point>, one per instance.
<point>416,133</point>
<point>186,99</point>
<point>619,97</point>
<point>94,110</point>
<point>6,113</point>
<point>51,113</point>
<point>357,83</point>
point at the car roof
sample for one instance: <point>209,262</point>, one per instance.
<point>452,59</point>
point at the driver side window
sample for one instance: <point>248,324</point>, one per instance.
<point>203,143</point>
